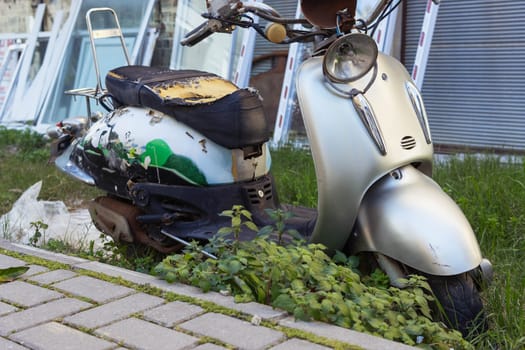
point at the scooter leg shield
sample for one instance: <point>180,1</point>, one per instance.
<point>408,217</point>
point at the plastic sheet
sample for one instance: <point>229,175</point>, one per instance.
<point>28,214</point>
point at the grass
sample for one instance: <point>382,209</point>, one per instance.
<point>24,161</point>
<point>490,192</point>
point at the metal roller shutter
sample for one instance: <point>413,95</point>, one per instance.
<point>474,87</point>
<point>286,8</point>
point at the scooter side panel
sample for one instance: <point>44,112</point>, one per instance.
<point>346,159</point>
<point>138,136</point>
<point>406,216</point>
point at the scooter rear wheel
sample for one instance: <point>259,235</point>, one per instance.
<point>459,303</point>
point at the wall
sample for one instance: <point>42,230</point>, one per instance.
<point>17,20</point>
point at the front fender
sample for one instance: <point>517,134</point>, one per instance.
<point>407,217</point>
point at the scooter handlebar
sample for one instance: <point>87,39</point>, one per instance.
<point>225,15</point>
<point>197,35</point>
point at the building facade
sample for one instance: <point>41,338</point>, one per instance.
<point>473,87</point>
<point>474,84</point>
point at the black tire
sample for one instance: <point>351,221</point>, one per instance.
<point>459,303</point>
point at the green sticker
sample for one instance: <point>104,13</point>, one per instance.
<point>161,155</point>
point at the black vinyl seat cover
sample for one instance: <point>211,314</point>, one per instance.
<point>235,120</point>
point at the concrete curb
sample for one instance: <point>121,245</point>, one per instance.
<point>58,309</point>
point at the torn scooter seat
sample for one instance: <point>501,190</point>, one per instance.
<point>226,114</point>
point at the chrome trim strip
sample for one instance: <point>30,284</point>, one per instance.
<point>65,164</point>
<point>366,113</point>
<point>419,108</point>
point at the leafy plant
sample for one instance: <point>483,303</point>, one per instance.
<point>279,229</point>
<point>306,282</point>
<point>39,232</point>
<point>11,273</point>
<point>239,217</point>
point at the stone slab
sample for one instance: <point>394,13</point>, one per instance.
<point>9,345</point>
<point>35,269</point>
<point>7,261</point>
<point>233,331</point>
<point>40,314</point>
<point>94,289</point>
<point>170,314</point>
<point>6,309</point>
<point>144,335</point>
<point>115,271</point>
<point>263,311</point>
<point>349,336</point>
<point>40,253</point>
<point>53,276</point>
<point>177,288</point>
<point>294,344</point>
<point>26,294</point>
<point>209,346</point>
<point>52,336</point>
<point>113,311</point>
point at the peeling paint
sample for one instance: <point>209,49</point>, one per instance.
<point>155,118</point>
<point>196,91</point>
<point>203,145</point>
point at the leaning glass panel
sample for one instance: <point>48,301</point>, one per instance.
<point>76,63</point>
<point>214,54</point>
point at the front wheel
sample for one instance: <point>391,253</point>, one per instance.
<point>459,303</point>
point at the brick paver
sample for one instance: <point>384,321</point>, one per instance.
<point>25,294</point>
<point>9,345</point>
<point>113,311</point>
<point>6,309</point>
<point>170,314</point>
<point>39,314</point>
<point>294,344</point>
<point>231,330</point>
<point>35,269</point>
<point>209,347</point>
<point>92,288</point>
<point>7,261</point>
<point>53,276</point>
<point>344,335</point>
<point>54,336</point>
<point>144,335</point>
<point>44,310</point>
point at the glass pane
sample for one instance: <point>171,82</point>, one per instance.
<point>77,69</point>
<point>366,8</point>
<point>213,54</point>
<point>10,52</point>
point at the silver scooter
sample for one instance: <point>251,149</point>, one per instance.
<point>169,167</point>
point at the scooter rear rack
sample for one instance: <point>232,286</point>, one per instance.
<point>96,34</point>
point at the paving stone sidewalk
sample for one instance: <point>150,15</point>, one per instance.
<point>63,309</point>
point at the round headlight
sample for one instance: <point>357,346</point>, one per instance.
<point>349,58</point>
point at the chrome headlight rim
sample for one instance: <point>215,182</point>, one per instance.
<point>346,51</point>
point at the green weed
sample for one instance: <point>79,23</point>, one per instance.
<point>39,228</point>
<point>490,190</point>
<point>307,283</point>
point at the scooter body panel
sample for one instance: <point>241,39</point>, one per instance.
<point>347,160</point>
<point>134,139</point>
<point>407,217</point>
